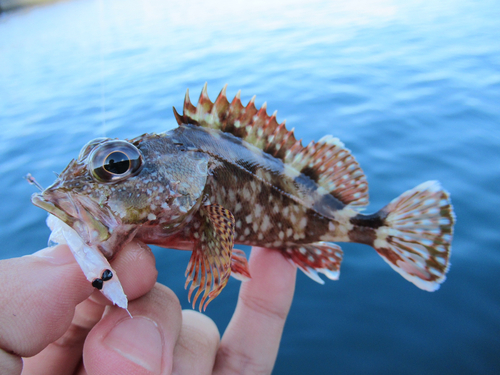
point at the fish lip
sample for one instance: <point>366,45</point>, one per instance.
<point>90,229</point>
<point>40,201</point>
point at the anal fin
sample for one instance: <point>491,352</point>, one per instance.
<point>319,257</point>
<point>210,264</point>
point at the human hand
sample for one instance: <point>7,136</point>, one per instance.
<point>49,311</point>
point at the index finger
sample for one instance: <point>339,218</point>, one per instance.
<point>251,341</point>
<point>38,295</point>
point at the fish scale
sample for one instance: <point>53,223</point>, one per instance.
<point>231,174</point>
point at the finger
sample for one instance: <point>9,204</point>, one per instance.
<point>140,345</point>
<point>64,355</point>
<point>38,296</point>
<point>197,345</point>
<point>10,363</point>
<point>136,266</point>
<point>251,341</point>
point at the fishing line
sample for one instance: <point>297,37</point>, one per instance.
<point>101,66</point>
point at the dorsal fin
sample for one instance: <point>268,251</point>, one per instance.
<point>330,164</point>
<point>252,125</point>
<point>327,161</point>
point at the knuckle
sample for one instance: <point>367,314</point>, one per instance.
<point>263,307</point>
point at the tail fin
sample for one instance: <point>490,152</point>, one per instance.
<point>415,238</point>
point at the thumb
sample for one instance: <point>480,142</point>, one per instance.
<point>38,296</point>
<point>140,345</point>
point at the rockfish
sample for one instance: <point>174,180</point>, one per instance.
<point>231,174</point>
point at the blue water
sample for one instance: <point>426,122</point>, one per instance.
<point>411,87</point>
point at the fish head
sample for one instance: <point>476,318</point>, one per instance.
<point>115,187</point>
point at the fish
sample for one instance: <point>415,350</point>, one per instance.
<point>230,174</point>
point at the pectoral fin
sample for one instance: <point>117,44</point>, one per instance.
<point>210,265</point>
<point>239,266</point>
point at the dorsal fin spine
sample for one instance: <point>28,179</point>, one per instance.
<point>204,91</point>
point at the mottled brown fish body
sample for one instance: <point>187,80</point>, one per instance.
<point>270,208</point>
<point>231,174</point>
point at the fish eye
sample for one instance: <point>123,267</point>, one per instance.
<point>85,151</point>
<point>112,161</point>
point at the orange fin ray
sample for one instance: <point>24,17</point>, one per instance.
<point>210,265</point>
<point>319,257</point>
<point>239,266</point>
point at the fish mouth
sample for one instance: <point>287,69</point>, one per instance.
<point>70,211</point>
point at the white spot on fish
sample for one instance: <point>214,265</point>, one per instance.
<point>266,223</point>
<point>303,222</point>
<point>151,217</point>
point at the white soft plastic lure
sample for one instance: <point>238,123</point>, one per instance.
<point>90,259</point>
